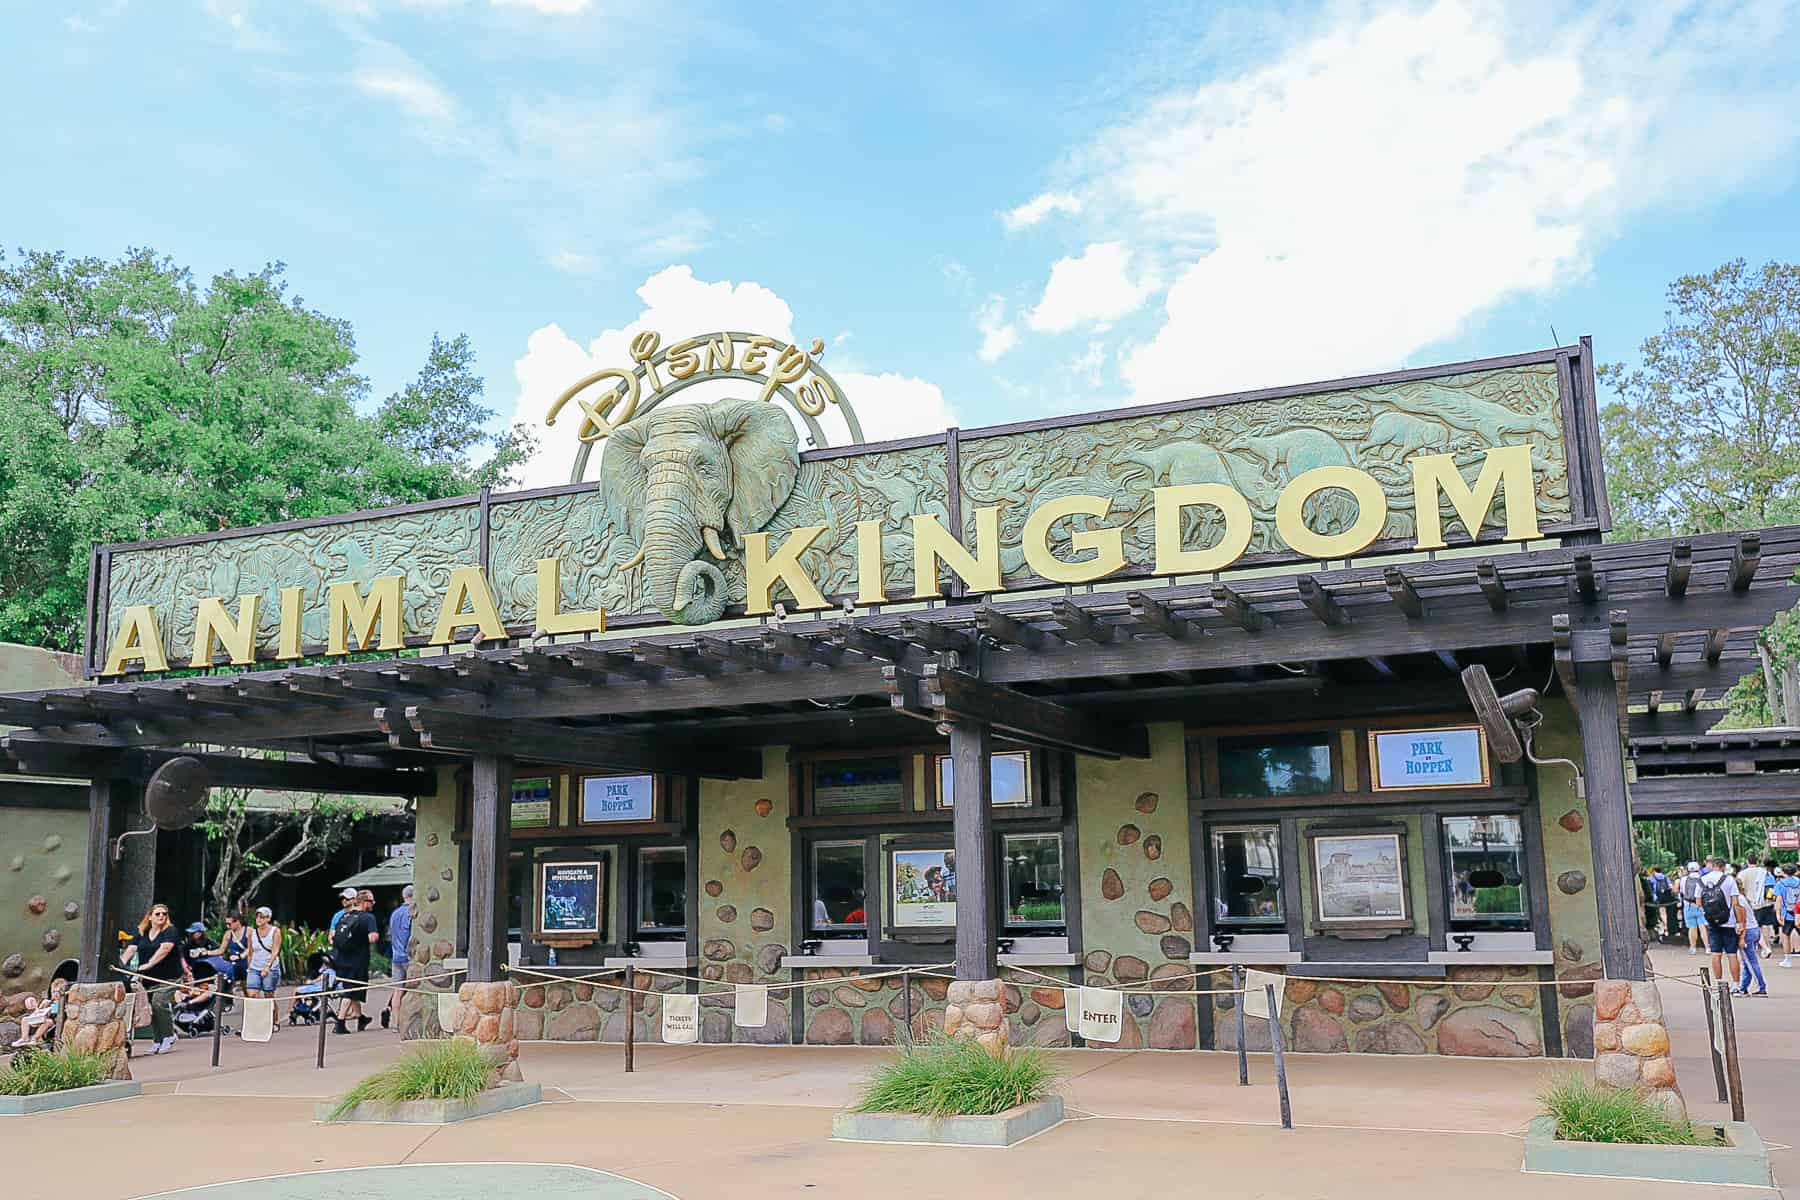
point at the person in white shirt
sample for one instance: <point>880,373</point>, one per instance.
<point>1723,906</point>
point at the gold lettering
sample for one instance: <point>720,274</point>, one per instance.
<point>762,573</point>
<point>871,587</point>
<point>1503,467</point>
<point>791,365</point>
<point>212,623</point>
<point>932,542</point>
<point>1371,512</point>
<point>756,357</point>
<point>812,397</point>
<point>1107,543</point>
<point>682,361</point>
<point>718,353</point>
<point>139,640</point>
<point>470,584</point>
<point>348,611</point>
<point>288,641</point>
<point>643,349</point>
<point>594,425</point>
<point>1172,555</point>
<point>550,617</point>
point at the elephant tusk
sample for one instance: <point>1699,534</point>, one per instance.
<point>637,560</point>
<point>712,542</point>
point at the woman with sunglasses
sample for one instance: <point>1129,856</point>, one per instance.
<point>159,957</point>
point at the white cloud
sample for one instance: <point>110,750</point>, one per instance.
<point>678,305</point>
<point>559,7</point>
<point>1095,288</point>
<point>236,16</point>
<point>998,335</point>
<point>1037,208</point>
<point>1377,185</point>
<point>410,88</point>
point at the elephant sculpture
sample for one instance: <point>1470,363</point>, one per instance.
<point>684,481</point>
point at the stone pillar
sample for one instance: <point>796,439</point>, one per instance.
<point>484,1014</point>
<point>1631,1042</point>
<point>99,1020</point>
<point>976,1010</point>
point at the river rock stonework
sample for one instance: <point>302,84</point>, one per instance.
<point>484,1014</point>
<point>1631,1042</point>
<point>975,1011</point>
<point>99,1016</point>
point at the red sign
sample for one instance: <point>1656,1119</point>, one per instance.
<point>1784,839</point>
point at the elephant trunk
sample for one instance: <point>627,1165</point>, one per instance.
<point>679,576</point>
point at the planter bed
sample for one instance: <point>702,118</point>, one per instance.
<point>436,1112</point>
<point>99,1093</point>
<point>1743,1160</point>
<point>1002,1129</point>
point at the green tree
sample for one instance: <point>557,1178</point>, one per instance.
<point>290,836</point>
<point>135,404</point>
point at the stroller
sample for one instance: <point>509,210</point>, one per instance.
<point>311,1000</point>
<point>195,1016</point>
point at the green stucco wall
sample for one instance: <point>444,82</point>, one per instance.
<point>436,897</point>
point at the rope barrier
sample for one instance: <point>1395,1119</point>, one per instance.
<point>720,987</point>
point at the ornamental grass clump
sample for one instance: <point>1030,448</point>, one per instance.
<point>455,1069</point>
<point>1586,1112</point>
<point>950,1077</point>
<point>35,1072</point>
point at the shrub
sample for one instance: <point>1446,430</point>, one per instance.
<point>949,1077</point>
<point>1587,1112</point>
<point>35,1072</point>
<point>298,943</point>
<point>455,1069</point>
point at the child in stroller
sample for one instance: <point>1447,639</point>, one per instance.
<point>193,1008</point>
<point>311,999</point>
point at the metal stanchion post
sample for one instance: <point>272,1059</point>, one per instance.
<point>630,1017</point>
<point>1237,1005</point>
<point>218,1022</point>
<point>1287,1112</point>
<point>324,1020</point>
<point>906,1006</point>
<point>1713,1040</point>
<point>1728,1026</point>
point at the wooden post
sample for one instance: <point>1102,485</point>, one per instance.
<point>1237,1006</point>
<point>218,1021</point>
<point>1287,1111</point>
<point>630,1018</point>
<point>100,899</point>
<point>1712,1032</point>
<point>971,747</point>
<point>906,1013</point>
<point>1734,1079</point>
<point>1616,895</point>
<point>490,836</point>
<point>324,1020</point>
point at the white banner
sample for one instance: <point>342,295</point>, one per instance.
<point>1072,1009</point>
<point>680,1018</point>
<point>752,1010</point>
<point>446,1006</point>
<point>259,1019</point>
<point>1256,996</point>
<point>1101,1010</point>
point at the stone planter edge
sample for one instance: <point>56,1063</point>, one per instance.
<point>435,1112</point>
<point>99,1093</point>
<point>1745,1162</point>
<point>999,1130</point>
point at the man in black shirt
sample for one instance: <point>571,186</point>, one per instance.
<point>351,943</point>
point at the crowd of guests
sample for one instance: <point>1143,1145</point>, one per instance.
<point>178,974</point>
<point>1740,914</point>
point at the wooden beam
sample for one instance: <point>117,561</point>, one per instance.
<point>602,663</point>
<point>1153,613</point>
<point>1381,665</point>
<point>673,658</point>
<point>544,662</point>
<point>1488,579</point>
<point>935,636</point>
<point>1402,592</point>
<point>1674,721</point>
<point>1587,580</point>
<point>547,741</point>
<point>971,767</point>
<point>490,845</point>
<point>866,642</point>
<point>958,696</point>
<point>1672,797</point>
<point>1665,648</point>
<point>1681,568</point>
<point>818,652</point>
<point>1235,609</point>
<point>1715,644</point>
<point>1004,627</point>
<point>1745,558</point>
<point>1448,659</point>
<point>109,802</point>
<point>1320,602</point>
<point>1615,889</point>
<point>1080,625</point>
<point>742,652</point>
<point>227,770</point>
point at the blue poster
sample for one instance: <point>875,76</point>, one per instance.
<point>569,897</point>
<point>1429,758</point>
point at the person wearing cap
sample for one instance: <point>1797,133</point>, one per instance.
<point>264,972</point>
<point>351,945</point>
<point>1691,914</point>
<point>346,905</point>
<point>197,962</point>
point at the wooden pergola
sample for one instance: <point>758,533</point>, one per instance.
<point>1743,773</point>
<point>1664,624</point>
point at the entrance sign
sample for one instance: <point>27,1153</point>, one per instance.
<point>924,889</point>
<point>1072,1009</point>
<point>1102,1013</point>
<point>569,898</point>
<point>531,803</point>
<point>617,798</point>
<point>1429,758</point>
<point>680,1018</point>
<point>750,1006</point>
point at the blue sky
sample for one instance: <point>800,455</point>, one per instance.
<point>988,211</point>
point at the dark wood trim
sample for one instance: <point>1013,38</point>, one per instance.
<point>1674,797</point>
<point>1593,443</point>
<point>1431,834</point>
<point>88,666</point>
<point>1615,892</point>
<point>1291,866</point>
<point>1550,1010</point>
<point>1061,768</point>
<point>484,528</point>
<point>41,794</point>
<point>489,848</point>
<point>1377,926</point>
<point>971,746</point>
<point>1574,461</point>
<point>108,801</point>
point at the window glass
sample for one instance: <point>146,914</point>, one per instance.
<point>1484,868</point>
<point>1293,765</point>
<point>1009,780</point>
<point>839,888</point>
<point>1034,882</point>
<point>662,889</point>
<point>857,785</point>
<point>518,886</point>
<point>1246,875</point>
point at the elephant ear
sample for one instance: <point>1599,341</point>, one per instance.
<point>622,481</point>
<point>765,461</point>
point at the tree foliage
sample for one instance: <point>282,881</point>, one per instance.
<point>136,404</point>
<point>255,846</point>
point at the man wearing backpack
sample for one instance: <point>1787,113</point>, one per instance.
<point>1691,917</point>
<point>1723,908</point>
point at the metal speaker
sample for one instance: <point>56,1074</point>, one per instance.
<point>1496,712</point>
<point>175,797</point>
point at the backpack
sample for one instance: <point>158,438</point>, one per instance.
<point>345,937</point>
<point>1714,904</point>
<point>1659,887</point>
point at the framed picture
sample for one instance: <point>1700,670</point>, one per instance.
<point>570,898</point>
<point>924,888</point>
<point>617,799</point>
<point>1417,759</point>
<point>1359,880</point>
<point>531,802</point>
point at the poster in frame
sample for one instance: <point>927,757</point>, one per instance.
<point>571,895</point>
<point>923,889</point>
<point>1359,880</point>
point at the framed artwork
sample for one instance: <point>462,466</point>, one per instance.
<point>531,800</point>
<point>924,883</point>
<point>1418,759</point>
<point>1359,880</point>
<point>569,898</point>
